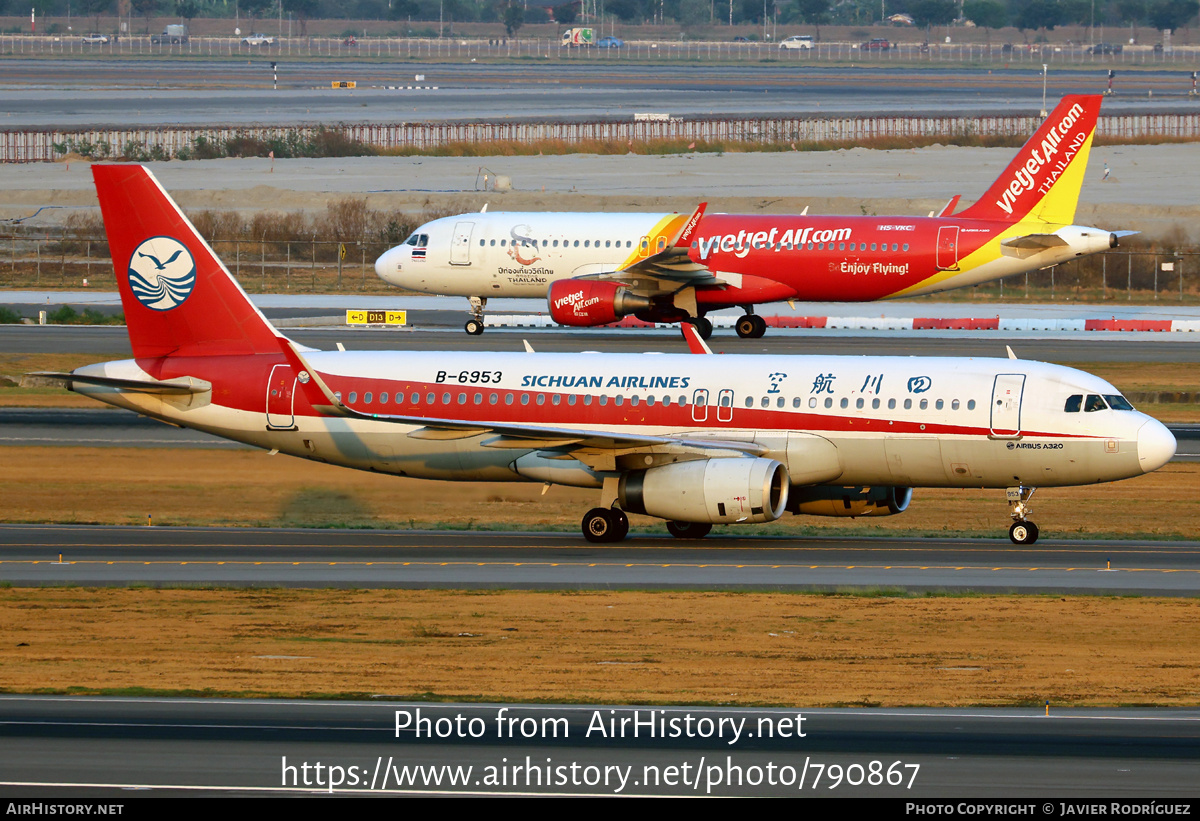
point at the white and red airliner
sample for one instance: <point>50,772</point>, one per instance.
<point>595,268</point>
<point>696,440</point>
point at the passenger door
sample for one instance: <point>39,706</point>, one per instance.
<point>460,245</point>
<point>1006,405</point>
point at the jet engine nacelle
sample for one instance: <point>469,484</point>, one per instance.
<point>850,501</point>
<point>592,302</point>
<point>717,491</point>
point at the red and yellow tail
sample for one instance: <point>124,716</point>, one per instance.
<point>179,299</point>
<point>1043,182</point>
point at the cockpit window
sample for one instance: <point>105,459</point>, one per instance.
<point>1094,403</point>
<point>1118,402</point>
<point>411,240</point>
<point>422,240</point>
<point>1074,403</point>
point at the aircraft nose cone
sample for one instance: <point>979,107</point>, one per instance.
<point>386,267</point>
<point>1156,445</point>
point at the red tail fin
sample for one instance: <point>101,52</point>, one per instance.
<point>1043,181</point>
<point>178,297</point>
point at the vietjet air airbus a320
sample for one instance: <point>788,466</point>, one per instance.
<point>595,268</point>
<point>697,440</point>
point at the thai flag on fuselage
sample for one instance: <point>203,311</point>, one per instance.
<point>418,253</point>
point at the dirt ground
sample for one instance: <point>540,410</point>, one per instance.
<point>604,647</point>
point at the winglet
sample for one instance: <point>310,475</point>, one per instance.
<point>684,239</point>
<point>695,342</point>
<point>949,207</point>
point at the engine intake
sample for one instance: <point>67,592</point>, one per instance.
<point>850,501</point>
<point>590,302</point>
<point>717,491</point>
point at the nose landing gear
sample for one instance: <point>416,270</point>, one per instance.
<point>1022,531</point>
<point>474,325</point>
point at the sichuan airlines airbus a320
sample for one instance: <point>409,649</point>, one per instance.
<point>694,439</point>
<point>595,268</point>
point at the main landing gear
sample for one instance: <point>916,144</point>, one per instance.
<point>751,326</point>
<point>1022,531</point>
<point>605,524</point>
<point>688,530</point>
<point>474,325</point>
<point>703,326</point>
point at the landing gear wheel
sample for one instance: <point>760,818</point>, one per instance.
<point>751,326</point>
<point>474,327</point>
<point>703,326</point>
<point>688,530</point>
<point>1023,533</point>
<point>604,525</point>
<point>620,524</point>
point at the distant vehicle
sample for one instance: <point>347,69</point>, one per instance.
<point>350,41</point>
<point>876,44</point>
<point>740,39</point>
<point>610,42</point>
<point>95,39</point>
<point>801,41</point>
<point>258,40</point>
<point>1106,48</point>
<point>172,35</point>
<point>578,37</point>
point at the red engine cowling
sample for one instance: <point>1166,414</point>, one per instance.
<point>592,302</point>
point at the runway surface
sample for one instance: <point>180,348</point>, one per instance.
<point>84,93</point>
<point>112,342</point>
<point>246,557</point>
<point>104,747</point>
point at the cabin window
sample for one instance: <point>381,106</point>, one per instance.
<point>608,243</point>
<point>1093,403</point>
<point>603,399</point>
<point>383,398</point>
<point>954,405</point>
<point>571,399</point>
<point>812,401</point>
<point>586,243</point>
<point>587,399</point>
<point>750,401</point>
<point>493,399</point>
<point>337,395</point>
<point>576,243</point>
<point>650,400</point>
<point>859,403</point>
<point>415,399</point>
<point>482,243</point>
<point>875,404</point>
<point>891,404</point>
<point>445,399</point>
<point>556,399</point>
<point>353,397</point>
<point>541,398</point>
<point>872,246</point>
<point>970,404</point>
<point>939,404</point>
<point>633,400</point>
<point>908,404</point>
<point>726,400</point>
<point>430,398</point>
<point>367,398</point>
<point>524,399</point>
<point>924,404</point>
<point>796,402</point>
<point>508,398</point>
<point>906,246</point>
<point>682,401</point>
<point>618,400</point>
<point>502,243</point>
<point>479,399</point>
<point>829,401</point>
<point>493,243</point>
<point>841,246</point>
<point>845,402</point>
<point>1118,402</point>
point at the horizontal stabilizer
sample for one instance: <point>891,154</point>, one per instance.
<point>1030,244</point>
<point>182,386</point>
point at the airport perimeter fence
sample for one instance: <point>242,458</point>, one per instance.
<point>166,142</point>
<point>458,48</point>
<point>29,261</point>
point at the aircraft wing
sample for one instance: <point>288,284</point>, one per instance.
<point>669,269</point>
<point>508,435</point>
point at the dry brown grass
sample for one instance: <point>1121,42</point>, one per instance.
<point>220,487</point>
<point>604,647</point>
